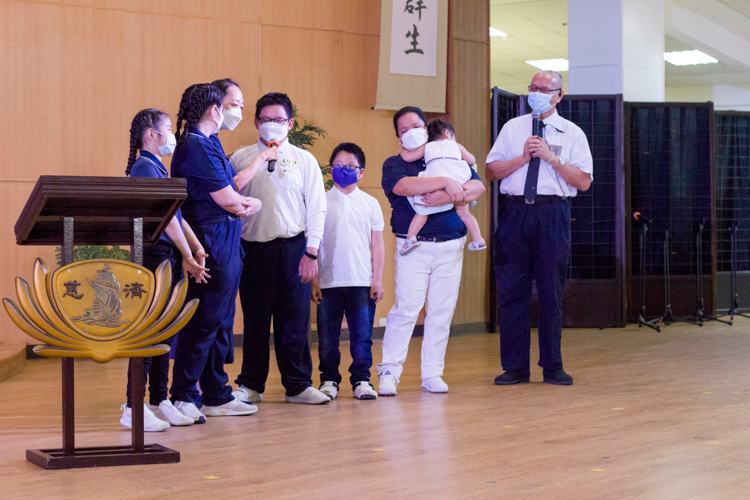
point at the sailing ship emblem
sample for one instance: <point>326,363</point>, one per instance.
<point>106,309</point>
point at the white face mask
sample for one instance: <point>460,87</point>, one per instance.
<point>539,101</point>
<point>168,148</point>
<point>232,117</point>
<point>414,138</point>
<point>273,131</point>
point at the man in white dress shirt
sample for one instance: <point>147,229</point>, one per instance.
<point>538,177</point>
<point>281,249</point>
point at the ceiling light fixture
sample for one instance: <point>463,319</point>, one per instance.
<point>550,64</point>
<point>688,58</point>
<point>496,32</point>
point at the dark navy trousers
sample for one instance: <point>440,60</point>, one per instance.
<point>531,241</point>
<point>271,288</point>
<point>355,302</point>
<point>205,342</point>
<point>156,369</point>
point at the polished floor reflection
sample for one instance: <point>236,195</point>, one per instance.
<point>650,416</point>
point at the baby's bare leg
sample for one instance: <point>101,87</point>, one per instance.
<point>416,225</point>
<point>469,221</point>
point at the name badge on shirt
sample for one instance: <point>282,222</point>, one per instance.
<point>289,162</point>
<point>556,149</point>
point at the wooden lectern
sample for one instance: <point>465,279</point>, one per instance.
<point>71,210</point>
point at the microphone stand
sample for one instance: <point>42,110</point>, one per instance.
<point>654,323</point>
<point>700,316</point>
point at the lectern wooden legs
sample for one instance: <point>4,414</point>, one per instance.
<point>138,453</point>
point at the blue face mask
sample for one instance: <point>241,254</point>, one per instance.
<point>344,177</point>
<point>540,101</point>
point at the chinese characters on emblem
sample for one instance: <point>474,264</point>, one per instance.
<point>71,289</point>
<point>134,290</point>
<point>414,33</point>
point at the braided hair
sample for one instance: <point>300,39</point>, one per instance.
<point>196,100</point>
<point>144,120</point>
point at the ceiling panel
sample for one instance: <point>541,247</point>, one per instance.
<point>537,29</point>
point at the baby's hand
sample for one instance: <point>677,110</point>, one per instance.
<point>466,156</point>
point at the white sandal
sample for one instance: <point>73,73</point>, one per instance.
<point>478,245</point>
<point>410,245</point>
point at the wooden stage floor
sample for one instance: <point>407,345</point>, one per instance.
<point>651,416</point>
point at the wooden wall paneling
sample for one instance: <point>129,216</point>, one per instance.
<point>231,10</point>
<point>327,15</point>
<point>470,20</point>
<point>469,94</point>
<point>82,74</point>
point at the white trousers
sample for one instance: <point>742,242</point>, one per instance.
<point>432,271</point>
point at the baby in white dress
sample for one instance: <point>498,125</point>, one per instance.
<point>444,157</point>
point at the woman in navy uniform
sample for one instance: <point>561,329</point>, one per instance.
<point>213,208</point>
<point>151,133</point>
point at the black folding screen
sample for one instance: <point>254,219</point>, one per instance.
<point>732,188</point>
<point>594,238</point>
<point>732,137</point>
<point>669,160</point>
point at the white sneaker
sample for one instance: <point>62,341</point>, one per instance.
<point>310,396</point>
<point>246,395</point>
<point>234,408</point>
<point>330,389</point>
<point>167,411</point>
<point>364,390</point>
<point>150,422</point>
<point>434,384</point>
<point>191,411</point>
<point>387,384</point>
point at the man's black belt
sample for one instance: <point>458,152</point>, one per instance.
<point>540,198</point>
<point>435,239</point>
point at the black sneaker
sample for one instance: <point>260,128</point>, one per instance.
<point>510,377</point>
<point>557,377</point>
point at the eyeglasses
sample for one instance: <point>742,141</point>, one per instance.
<point>350,168</point>
<point>533,88</point>
<point>280,121</point>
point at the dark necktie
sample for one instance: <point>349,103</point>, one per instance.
<point>532,175</point>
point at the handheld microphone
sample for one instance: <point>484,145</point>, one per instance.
<point>272,163</point>
<point>640,217</point>
<point>536,128</point>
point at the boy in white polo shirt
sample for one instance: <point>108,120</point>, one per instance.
<point>351,274</point>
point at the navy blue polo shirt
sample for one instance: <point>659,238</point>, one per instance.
<point>446,225</point>
<point>215,139</point>
<point>202,162</point>
<point>148,165</point>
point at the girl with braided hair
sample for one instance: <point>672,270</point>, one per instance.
<point>151,134</point>
<point>214,208</point>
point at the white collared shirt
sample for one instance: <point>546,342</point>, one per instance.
<point>345,254</point>
<point>293,195</point>
<point>564,137</point>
